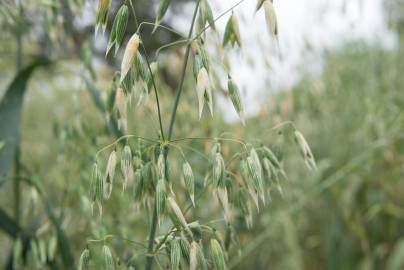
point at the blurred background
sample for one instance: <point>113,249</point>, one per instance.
<point>337,76</point>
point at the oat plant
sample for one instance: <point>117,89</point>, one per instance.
<point>240,182</point>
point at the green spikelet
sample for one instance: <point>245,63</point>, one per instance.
<point>161,195</point>
<point>122,20</point>
<point>126,165</point>
<point>108,259</point>
<point>161,166</point>
<point>218,169</point>
<point>101,16</point>
<point>255,170</point>
<point>84,260</point>
<point>189,180</point>
<point>201,258</point>
<point>235,97</point>
<point>217,255</point>
<point>175,254</point>
<point>163,6</point>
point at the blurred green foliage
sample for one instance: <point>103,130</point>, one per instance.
<point>347,215</point>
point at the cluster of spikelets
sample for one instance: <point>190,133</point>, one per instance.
<point>41,250</point>
<point>147,168</point>
<point>183,255</point>
<point>136,77</point>
<point>238,191</point>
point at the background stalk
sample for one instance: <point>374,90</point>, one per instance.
<point>149,259</point>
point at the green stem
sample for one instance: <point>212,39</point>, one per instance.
<point>149,259</point>
<point>151,73</point>
<point>184,68</point>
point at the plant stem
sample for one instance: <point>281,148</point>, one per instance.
<point>149,259</point>
<point>151,73</point>
<point>184,68</point>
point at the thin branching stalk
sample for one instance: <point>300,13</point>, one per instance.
<point>151,73</point>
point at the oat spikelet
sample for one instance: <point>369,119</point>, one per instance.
<point>121,105</point>
<point>270,17</point>
<point>129,55</point>
<point>193,262</point>
<point>84,260</point>
<point>178,213</point>
<point>189,180</point>
<point>204,91</point>
<point>109,174</point>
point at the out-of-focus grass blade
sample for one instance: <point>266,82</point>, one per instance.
<point>10,116</point>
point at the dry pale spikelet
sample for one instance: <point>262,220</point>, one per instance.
<point>236,29</point>
<point>84,260</point>
<point>259,4</point>
<point>126,165</point>
<point>305,150</point>
<point>204,90</point>
<point>109,174</point>
<point>129,55</point>
<point>108,259</point>
<point>193,261</point>
<point>175,254</point>
<point>178,213</point>
<point>217,255</point>
<point>235,97</point>
<point>121,104</point>
<point>189,181</point>
<point>270,17</point>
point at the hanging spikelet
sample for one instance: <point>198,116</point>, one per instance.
<point>255,169</point>
<point>118,29</point>
<point>126,165</point>
<point>121,104</point>
<point>222,195</point>
<point>175,254</point>
<point>217,255</point>
<point>109,174</point>
<point>245,205</point>
<point>270,17</point>
<point>102,15</point>
<point>161,195</point>
<point>161,166</point>
<point>108,259</point>
<point>232,32</point>
<point>129,56</point>
<point>96,188</point>
<point>178,213</point>
<point>84,260</point>
<point>218,172</point>
<point>235,97</point>
<point>201,258</point>
<point>163,6</point>
<point>193,261</point>
<point>305,150</point>
<point>204,91</point>
<point>189,180</point>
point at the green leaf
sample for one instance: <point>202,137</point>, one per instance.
<point>10,115</point>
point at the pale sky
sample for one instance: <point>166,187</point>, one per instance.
<point>319,23</point>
